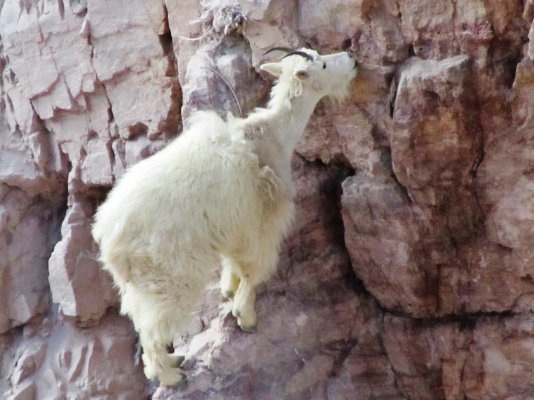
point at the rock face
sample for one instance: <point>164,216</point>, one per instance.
<point>409,273</point>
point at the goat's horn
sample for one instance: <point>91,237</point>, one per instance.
<point>299,53</point>
<point>284,49</point>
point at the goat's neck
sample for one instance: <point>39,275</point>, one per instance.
<point>282,125</point>
<point>288,121</point>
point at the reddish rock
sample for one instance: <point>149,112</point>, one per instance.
<point>470,358</point>
<point>409,273</point>
<point>391,245</point>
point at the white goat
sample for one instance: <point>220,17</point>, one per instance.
<point>221,192</point>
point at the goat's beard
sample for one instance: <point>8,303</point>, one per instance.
<point>341,93</point>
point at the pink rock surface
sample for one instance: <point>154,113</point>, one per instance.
<point>77,283</point>
<point>476,357</point>
<point>409,272</point>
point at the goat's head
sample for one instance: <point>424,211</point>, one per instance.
<point>305,70</point>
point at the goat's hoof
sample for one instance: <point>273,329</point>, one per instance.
<point>173,378</point>
<point>176,360</point>
<point>186,365</point>
<point>247,328</point>
<point>181,384</point>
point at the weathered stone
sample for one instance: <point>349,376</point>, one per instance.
<point>270,24</point>
<point>473,359</point>
<point>391,245</point>
<point>82,290</point>
<point>436,141</point>
<point>59,360</point>
<point>328,24</point>
<point>444,28</point>
<point>26,242</point>
<point>26,391</point>
<point>139,71</point>
<point>30,360</point>
<point>210,84</point>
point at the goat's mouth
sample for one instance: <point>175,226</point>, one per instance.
<point>354,60</point>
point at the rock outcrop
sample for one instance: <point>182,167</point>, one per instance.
<point>409,273</point>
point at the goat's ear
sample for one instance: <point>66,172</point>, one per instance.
<point>274,68</point>
<point>301,74</point>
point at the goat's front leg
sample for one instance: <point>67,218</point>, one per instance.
<point>249,274</point>
<point>244,305</point>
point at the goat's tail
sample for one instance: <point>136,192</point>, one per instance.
<point>113,256</point>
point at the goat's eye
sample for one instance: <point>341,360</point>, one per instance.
<point>324,65</point>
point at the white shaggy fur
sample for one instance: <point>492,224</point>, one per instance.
<point>220,193</point>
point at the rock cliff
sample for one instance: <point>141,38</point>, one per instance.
<point>409,273</point>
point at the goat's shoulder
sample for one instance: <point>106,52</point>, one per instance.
<point>205,123</point>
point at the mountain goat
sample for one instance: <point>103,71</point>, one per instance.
<point>221,193</point>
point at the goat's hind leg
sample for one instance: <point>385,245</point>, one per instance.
<point>155,320</point>
<point>230,278</point>
<point>160,364</point>
<point>244,308</point>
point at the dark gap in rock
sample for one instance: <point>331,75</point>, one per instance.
<point>354,283</point>
<point>479,159</point>
<point>36,119</point>
<point>61,8</point>
<point>9,104</point>
<point>511,66</point>
<point>92,134</point>
<point>346,45</point>
<point>167,45</point>
<point>344,349</point>
<point>333,191</point>
<point>111,116</point>
<point>467,320</point>
<point>392,95</point>
<point>57,203</point>
<point>504,57</point>
<point>95,195</point>
<point>11,77</point>
<point>136,130</point>
<point>170,126</point>
<point>431,98</point>
<point>78,7</point>
<point>387,159</point>
<point>111,153</point>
